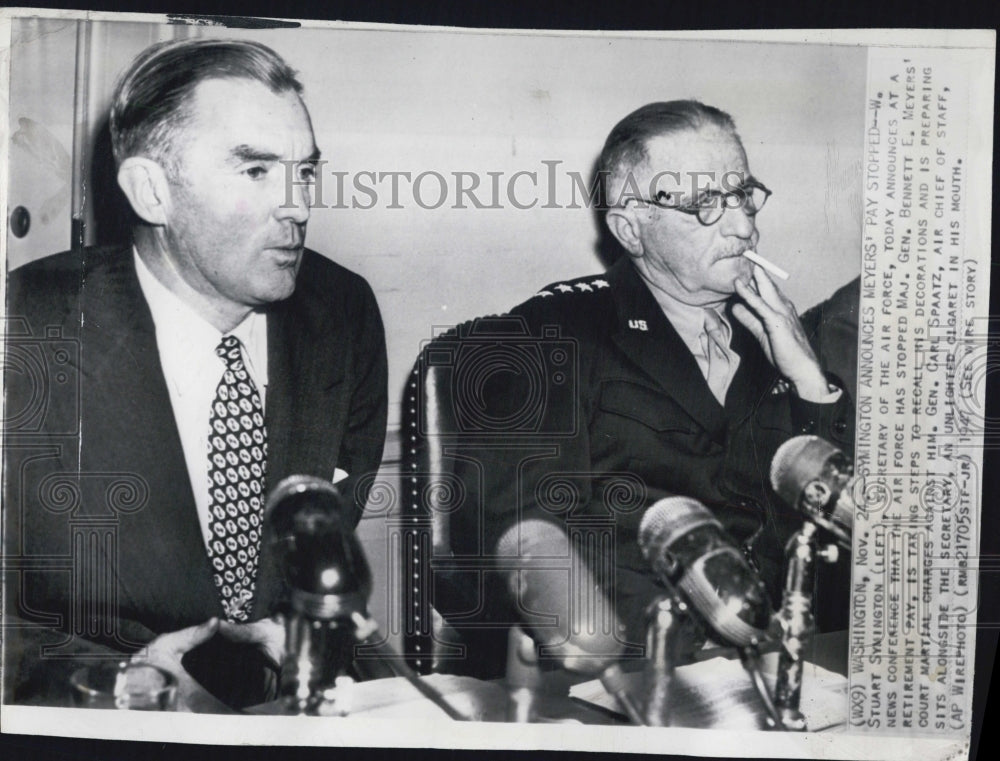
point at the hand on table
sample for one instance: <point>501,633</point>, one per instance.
<point>268,635</point>
<point>167,650</point>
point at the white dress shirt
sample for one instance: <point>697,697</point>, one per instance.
<point>186,343</point>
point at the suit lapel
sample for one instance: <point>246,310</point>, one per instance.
<point>306,367</point>
<point>648,339</point>
<point>129,427</point>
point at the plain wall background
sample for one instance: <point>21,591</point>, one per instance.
<point>418,101</point>
<point>396,101</point>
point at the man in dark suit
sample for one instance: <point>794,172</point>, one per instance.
<point>185,376</point>
<point>679,371</point>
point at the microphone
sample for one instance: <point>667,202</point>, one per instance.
<point>690,552</point>
<point>329,581</point>
<point>566,614</point>
<point>573,622</point>
<point>817,479</point>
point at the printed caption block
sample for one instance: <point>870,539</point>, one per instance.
<point>922,365</point>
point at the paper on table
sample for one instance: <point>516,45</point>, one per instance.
<point>396,698</point>
<point>718,693</point>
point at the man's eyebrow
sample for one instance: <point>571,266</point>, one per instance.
<point>745,180</point>
<point>249,153</point>
<point>245,152</point>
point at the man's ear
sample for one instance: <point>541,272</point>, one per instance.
<point>625,227</point>
<point>145,185</point>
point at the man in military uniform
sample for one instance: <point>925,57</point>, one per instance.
<point>691,367</point>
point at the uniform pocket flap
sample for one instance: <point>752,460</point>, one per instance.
<point>648,406</point>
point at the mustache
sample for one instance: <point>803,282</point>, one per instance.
<point>741,247</point>
<point>736,251</point>
<point>294,239</point>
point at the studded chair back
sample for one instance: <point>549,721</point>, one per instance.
<point>453,613</point>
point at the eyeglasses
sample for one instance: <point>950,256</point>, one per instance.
<point>712,204</point>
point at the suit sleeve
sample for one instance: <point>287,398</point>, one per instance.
<point>833,421</point>
<point>832,327</point>
<point>364,436</point>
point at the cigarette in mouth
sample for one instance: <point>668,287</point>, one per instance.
<point>771,267</point>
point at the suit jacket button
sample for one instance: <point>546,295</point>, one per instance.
<point>839,426</point>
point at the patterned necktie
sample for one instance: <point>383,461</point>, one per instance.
<point>237,455</point>
<point>720,360</point>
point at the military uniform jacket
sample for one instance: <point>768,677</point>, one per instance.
<point>619,415</point>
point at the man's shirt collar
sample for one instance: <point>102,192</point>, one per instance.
<point>183,335</point>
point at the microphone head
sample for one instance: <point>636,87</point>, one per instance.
<point>322,559</point>
<point>558,599</point>
<point>689,549</point>
<point>813,476</point>
<point>796,463</point>
<point>533,538</point>
<point>668,519</point>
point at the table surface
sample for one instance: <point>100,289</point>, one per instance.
<point>43,681</point>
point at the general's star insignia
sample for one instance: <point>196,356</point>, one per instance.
<point>564,288</point>
<point>543,294</point>
<point>584,287</point>
<point>600,284</point>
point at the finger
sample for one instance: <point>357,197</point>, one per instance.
<point>752,323</point>
<point>749,320</point>
<point>768,290</point>
<point>779,304</point>
<point>268,634</point>
<point>246,633</point>
<point>195,635</point>
<point>183,640</point>
<point>166,652</point>
<point>771,293</point>
<point>761,307</point>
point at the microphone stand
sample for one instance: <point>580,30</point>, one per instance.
<point>797,622</point>
<point>523,677</point>
<point>365,628</point>
<point>524,681</point>
<point>665,618</point>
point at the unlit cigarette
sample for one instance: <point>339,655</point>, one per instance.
<point>771,267</point>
